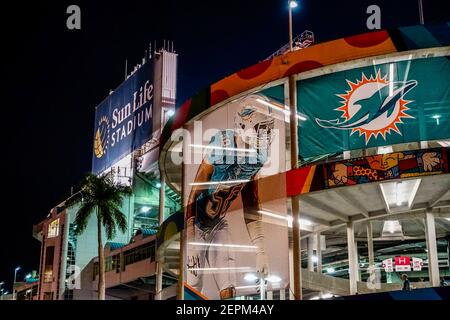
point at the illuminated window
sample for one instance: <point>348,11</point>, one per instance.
<point>48,276</point>
<point>48,268</point>
<point>53,229</point>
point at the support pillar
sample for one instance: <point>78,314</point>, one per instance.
<point>311,253</point>
<point>283,294</point>
<point>319,253</point>
<point>293,131</point>
<point>291,274</point>
<point>159,267</point>
<point>296,250</point>
<point>370,244</point>
<point>358,274</point>
<point>370,253</point>
<point>430,234</point>
<point>352,263</point>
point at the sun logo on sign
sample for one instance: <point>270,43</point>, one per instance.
<point>101,137</point>
<point>372,107</point>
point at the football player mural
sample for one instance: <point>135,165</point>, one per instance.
<point>225,186</point>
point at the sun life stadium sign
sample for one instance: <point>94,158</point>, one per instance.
<point>123,121</point>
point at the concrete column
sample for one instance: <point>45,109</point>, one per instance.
<point>370,244</point>
<point>358,274</point>
<point>293,132</point>
<point>159,280</point>
<point>269,295</point>
<point>352,263</point>
<point>291,275</point>
<point>159,267</point>
<point>162,197</point>
<point>296,250</point>
<point>310,253</point>
<point>181,275</point>
<point>370,253</point>
<point>430,234</point>
<point>282,294</point>
<point>319,253</point>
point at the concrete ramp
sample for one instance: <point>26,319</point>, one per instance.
<point>324,283</point>
<point>338,286</point>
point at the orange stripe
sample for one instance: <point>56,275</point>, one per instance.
<point>309,178</point>
<point>201,295</point>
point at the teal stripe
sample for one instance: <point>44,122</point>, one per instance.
<point>420,36</point>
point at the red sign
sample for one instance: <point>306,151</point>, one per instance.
<point>402,263</point>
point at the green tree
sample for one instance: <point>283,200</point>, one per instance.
<point>100,196</point>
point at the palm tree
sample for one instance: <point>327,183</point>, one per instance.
<point>99,194</point>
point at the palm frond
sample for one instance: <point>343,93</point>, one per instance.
<point>100,192</point>
<point>107,222</point>
<point>120,219</point>
<point>82,216</point>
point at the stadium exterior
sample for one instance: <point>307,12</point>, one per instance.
<point>370,182</point>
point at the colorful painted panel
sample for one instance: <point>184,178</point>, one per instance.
<point>397,165</point>
<point>385,167</point>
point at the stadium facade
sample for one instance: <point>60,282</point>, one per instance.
<point>216,188</point>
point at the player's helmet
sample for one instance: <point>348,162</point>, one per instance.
<point>254,121</point>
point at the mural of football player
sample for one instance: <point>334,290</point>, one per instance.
<point>229,169</point>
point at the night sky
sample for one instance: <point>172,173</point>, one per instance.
<point>55,77</point>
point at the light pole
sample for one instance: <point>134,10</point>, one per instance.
<point>292,4</point>
<point>422,20</point>
<point>293,129</point>
<point>14,283</point>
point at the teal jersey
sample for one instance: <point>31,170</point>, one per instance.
<point>229,165</point>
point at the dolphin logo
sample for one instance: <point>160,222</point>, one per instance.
<point>372,107</point>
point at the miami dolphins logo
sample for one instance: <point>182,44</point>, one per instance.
<point>372,107</point>
<point>101,137</point>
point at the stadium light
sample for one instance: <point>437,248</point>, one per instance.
<point>250,277</point>
<point>273,279</point>
<point>436,117</point>
<point>145,209</point>
<point>293,4</point>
